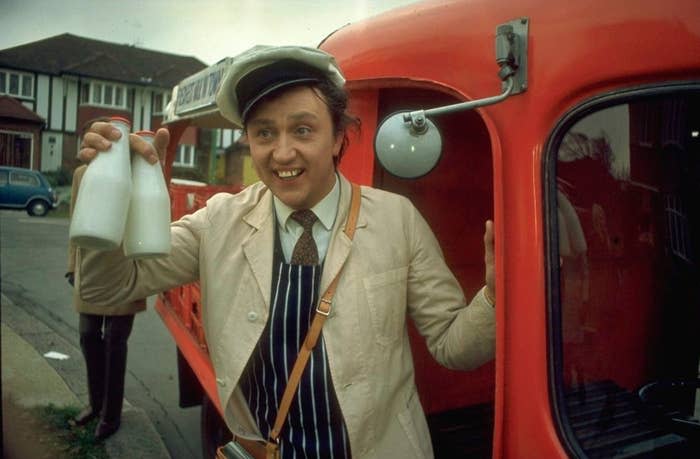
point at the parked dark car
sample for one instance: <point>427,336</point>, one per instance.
<point>26,189</point>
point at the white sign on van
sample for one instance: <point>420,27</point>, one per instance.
<point>199,90</point>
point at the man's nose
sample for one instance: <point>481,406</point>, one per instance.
<point>284,149</point>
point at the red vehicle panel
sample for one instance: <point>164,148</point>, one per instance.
<point>555,310</point>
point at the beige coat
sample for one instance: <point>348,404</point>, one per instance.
<point>394,267</point>
<point>81,306</point>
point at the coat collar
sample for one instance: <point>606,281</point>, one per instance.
<point>258,246</point>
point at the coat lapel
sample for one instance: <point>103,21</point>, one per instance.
<point>258,247</point>
<point>340,245</point>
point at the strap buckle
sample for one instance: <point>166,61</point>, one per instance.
<point>327,310</point>
<point>273,440</point>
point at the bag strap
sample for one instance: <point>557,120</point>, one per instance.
<point>322,311</point>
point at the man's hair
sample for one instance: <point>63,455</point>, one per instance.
<point>336,99</point>
<point>333,97</point>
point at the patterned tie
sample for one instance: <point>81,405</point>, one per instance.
<point>305,251</point>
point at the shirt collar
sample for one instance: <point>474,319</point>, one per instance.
<point>325,210</point>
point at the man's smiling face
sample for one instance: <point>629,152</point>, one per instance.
<point>292,143</point>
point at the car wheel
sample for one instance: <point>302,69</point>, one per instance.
<point>37,208</point>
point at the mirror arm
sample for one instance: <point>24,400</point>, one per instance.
<point>511,57</point>
<point>409,145</point>
<point>417,117</point>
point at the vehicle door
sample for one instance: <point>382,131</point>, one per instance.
<point>623,177</point>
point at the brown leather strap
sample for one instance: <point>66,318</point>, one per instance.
<point>272,450</point>
<point>322,311</point>
<point>351,222</point>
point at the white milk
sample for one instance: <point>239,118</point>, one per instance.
<point>99,216</point>
<point>147,232</point>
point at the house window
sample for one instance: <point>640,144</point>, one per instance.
<point>17,84</point>
<point>27,86</point>
<point>84,93</point>
<point>109,92</point>
<point>184,156</point>
<point>97,94</point>
<point>103,94</point>
<point>160,101</point>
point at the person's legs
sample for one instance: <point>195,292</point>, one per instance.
<point>92,345</point>
<point>117,331</point>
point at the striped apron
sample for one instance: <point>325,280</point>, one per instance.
<point>314,427</point>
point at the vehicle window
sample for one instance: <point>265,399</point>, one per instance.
<point>626,304</point>
<point>23,179</point>
<point>3,178</point>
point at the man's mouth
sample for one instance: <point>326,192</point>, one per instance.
<point>288,174</point>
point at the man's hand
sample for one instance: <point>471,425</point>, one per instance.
<point>490,290</point>
<point>100,135</point>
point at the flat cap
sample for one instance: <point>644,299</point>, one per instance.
<point>263,69</point>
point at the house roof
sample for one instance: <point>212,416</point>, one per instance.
<point>12,108</point>
<point>68,54</point>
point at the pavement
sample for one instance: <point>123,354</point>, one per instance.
<point>32,379</point>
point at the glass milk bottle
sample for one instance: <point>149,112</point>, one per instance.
<point>100,210</point>
<point>148,223</point>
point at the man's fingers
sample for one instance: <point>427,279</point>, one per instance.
<point>488,240</point>
<point>96,141</point>
<point>98,138</point>
<point>142,147</point>
<point>161,141</point>
<point>490,276</point>
<point>87,154</point>
<point>104,129</point>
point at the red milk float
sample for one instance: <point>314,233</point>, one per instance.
<point>576,126</point>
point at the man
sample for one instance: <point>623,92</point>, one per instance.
<point>104,333</point>
<point>259,289</point>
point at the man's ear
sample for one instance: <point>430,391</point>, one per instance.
<point>339,139</point>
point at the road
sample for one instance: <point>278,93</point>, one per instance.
<point>32,266</point>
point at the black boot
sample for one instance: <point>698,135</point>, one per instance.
<point>106,429</point>
<point>85,416</point>
<point>92,345</point>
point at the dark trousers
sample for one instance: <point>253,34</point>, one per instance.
<point>103,342</point>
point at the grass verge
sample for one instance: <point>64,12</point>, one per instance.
<point>45,432</point>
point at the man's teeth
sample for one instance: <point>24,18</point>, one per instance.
<point>288,174</point>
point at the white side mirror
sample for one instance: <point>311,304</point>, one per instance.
<point>408,148</point>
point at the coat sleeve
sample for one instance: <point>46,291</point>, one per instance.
<point>107,277</point>
<point>459,336</point>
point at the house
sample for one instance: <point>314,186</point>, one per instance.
<point>49,89</point>
<point>20,130</point>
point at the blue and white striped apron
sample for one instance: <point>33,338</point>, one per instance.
<point>314,427</point>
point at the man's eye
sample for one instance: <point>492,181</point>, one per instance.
<point>264,133</point>
<point>303,130</point>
